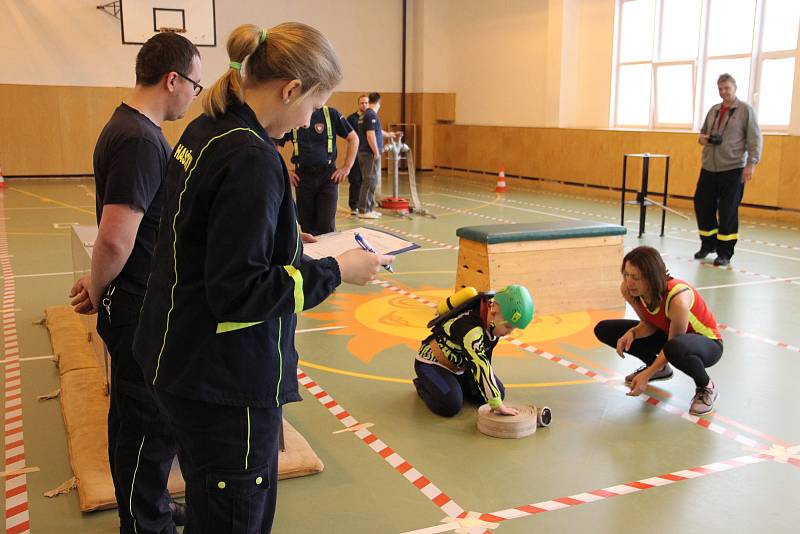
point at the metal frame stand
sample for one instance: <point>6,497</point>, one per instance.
<point>641,196</point>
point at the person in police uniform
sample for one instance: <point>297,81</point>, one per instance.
<point>355,173</point>
<point>315,177</point>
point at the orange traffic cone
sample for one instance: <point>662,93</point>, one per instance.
<point>2,180</point>
<point>501,181</point>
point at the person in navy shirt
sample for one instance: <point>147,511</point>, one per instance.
<point>315,176</point>
<point>370,135</point>
<point>355,172</point>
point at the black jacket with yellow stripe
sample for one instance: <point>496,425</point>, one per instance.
<point>228,274</point>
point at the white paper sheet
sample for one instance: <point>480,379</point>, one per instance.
<point>335,243</point>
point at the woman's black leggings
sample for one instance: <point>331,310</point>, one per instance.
<point>691,353</point>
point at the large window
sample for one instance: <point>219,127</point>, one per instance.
<point>670,53</point>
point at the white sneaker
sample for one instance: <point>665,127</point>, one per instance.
<point>369,215</point>
<point>704,398</point>
<point>353,212</point>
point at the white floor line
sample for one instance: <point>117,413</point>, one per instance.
<point>48,207</point>
<point>757,282</point>
<point>421,249</point>
<point>738,249</point>
<point>322,329</point>
<point>47,357</point>
<point>62,273</point>
<point>509,207</point>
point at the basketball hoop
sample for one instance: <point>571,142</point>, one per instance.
<point>173,30</point>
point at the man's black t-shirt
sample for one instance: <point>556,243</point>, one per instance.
<point>130,162</point>
<point>369,121</point>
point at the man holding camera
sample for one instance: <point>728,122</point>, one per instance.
<point>731,142</point>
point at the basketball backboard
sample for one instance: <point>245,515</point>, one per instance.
<point>194,19</point>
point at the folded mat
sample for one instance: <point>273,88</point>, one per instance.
<point>84,405</point>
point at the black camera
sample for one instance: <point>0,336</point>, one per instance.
<point>715,139</point>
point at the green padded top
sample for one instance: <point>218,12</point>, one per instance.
<point>537,231</point>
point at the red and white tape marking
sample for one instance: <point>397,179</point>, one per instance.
<point>408,294</point>
<point>623,489</point>
<point>423,484</point>
<point>644,397</point>
<point>416,237</point>
<point>789,280</point>
<point>781,344</point>
<point>491,520</point>
<point>16,486</point>
<point>572,366</point>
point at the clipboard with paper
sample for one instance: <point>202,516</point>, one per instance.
<point>335,243</point>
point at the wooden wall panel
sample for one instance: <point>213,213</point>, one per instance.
<point>764,189</point>
<point>789,182</point>
<point>30,136</point>
<point>594,157</point>
<point>52,130</point>
<point>84,112</point>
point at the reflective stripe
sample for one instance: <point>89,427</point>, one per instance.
<point>299,298</point>
<point>678,288</point>
<point>328,128</point>
<point>296,241</point>
<point>175,239</point>
<point>280,363</point>
<point>327,114</point>
<point>247,454</point>
<point>707,233</point>
<point>700,328</point>
<point>133,481</point>
<point>729,237</point>
<point>230,327</point>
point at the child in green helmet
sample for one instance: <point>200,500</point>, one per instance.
<point>455,361</point>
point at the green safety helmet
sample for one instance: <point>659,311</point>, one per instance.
<point>516,305</point>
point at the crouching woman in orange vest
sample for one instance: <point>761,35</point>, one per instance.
<point>676,328</point>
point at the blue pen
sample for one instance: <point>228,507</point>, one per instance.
<point>364,245</point>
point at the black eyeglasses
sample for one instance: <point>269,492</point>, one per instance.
<point>197,87</point>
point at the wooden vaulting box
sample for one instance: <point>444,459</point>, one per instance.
<point>566,265</point>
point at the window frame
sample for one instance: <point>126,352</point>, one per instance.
<point>699,68</point>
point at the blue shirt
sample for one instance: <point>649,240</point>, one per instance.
<point>369,121</point>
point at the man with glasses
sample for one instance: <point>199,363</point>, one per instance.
<point>197,87</point>
<point>731,142</point>
<point>130,162</point>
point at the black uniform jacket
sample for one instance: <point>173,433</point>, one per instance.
<point>228,274</point>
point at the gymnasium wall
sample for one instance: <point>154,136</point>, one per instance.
<point>64,70</point>
<point>53,129</point>
<point>71,43</point>
<point>568,158</point>
<point>554,125</point>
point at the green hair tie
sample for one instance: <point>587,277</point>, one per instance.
<point>235,65</point>
<point>263,36</point>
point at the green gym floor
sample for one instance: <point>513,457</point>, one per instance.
<point>609,463</point>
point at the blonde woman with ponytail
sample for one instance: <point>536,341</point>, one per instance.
<point>216,335</point>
